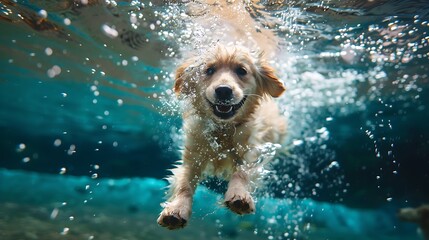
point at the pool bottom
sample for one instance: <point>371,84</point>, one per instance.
<point>40,206</point>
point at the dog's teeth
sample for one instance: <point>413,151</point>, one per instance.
<point>223,108</point>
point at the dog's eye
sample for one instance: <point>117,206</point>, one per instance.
<point>241,71</point>
<point>210,71</point>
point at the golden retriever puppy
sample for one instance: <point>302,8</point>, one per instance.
<point>229,115</point>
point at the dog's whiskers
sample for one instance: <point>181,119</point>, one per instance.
<point>259,97</point>
<point>254,95</point>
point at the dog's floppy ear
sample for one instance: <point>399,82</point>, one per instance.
<point>270,82</point>
<point>179,85</point>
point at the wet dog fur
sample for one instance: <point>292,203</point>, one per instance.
<point>229,114</point>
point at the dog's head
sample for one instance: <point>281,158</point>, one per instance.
<point>226,81</point>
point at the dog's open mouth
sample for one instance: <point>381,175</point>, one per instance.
<point>224,110</point>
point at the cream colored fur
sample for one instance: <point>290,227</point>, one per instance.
<point>228,148</point>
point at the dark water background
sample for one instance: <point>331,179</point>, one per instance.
<point>78,98</point>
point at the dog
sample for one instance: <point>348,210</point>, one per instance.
<point>229,114</point>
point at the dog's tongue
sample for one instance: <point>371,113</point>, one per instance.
<point>223,108</point>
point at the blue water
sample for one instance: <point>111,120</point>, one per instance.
<point>86,92</point>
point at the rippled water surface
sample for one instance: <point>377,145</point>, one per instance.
<point>88,83</point>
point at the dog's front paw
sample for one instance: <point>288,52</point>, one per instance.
<point>240,203</point>
<point>171,220</point>
<point>174,216</point>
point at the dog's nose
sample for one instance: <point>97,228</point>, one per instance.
<point>224,92</point>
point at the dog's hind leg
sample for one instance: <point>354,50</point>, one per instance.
<point>178,208</point>
<point>237,197</point>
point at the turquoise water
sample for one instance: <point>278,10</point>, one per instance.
<point>86,92</point>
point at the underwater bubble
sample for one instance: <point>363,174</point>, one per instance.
<point>48,51</point>
<point>109,31</point>
<point>389,199</point>
<point>63,171</point>
<point>348,54</point>
<point>67,21</point>
<point>71,218</point>
<point>54,71</point>
<point>120,102</point>
<point>26,160</point>
<point>71,150</point>
<point>311,139</point>
<point>297,142</point>
<point>115,144</point>
<point>152,26</point>
<point>64,94</point>
<point>334,164</point>
<point>54,213</point>
<point>43,13</point>
<point>133,18</point>
<point>21,147</point>
<point>94,176</point>
<point>65,231</point>
<point>57,142</point>
<point>321,130</point>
